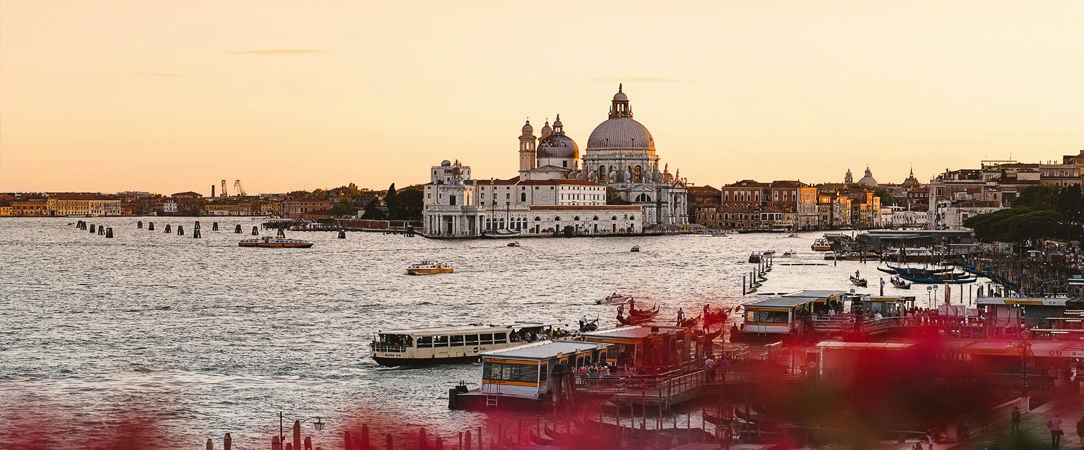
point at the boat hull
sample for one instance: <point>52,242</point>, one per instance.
<point>420,362</point>
<point>428,271</point>
<point>275,245</point>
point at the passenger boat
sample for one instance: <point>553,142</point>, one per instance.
<point>528,377</point>
<point>274,242</point>
<point>441,345</point>
<point>821,245</point>
<point>429,267</point>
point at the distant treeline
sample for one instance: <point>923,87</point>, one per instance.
<point>1040,212</point>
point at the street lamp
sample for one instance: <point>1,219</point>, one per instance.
<point>318,425</point>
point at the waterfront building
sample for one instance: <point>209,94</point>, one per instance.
<point>83,204</point>
<point>30,207</point>
<point>754,206</point>
<point>704,202</point>
<point>303,205</point>
<point>618,189</point>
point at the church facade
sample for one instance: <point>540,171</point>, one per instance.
<point>559,193</point>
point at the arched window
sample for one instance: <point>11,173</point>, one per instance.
<point>613,218</point>
<point>596,218</point>
<point>537,219</point>
<point>637,174</point>
<point>523,196</point>
<point>577,218</point>
<point>556,219</point>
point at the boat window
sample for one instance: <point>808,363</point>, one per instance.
<point>425,341</point>
<point>542,373</point>
<point>510,372</point>
<point>471,339</point>
<point>766,316</point>
<point>500,338</point>
<point>485,338</point>
<point>440,341</point>
<point>457,340</point>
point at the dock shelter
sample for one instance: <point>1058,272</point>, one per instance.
<point>647,347</point>
<point>784,314</point>
<point>528,376</point>
<point>1011,315</point>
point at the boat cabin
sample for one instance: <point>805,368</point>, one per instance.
<point>783,314</point>
<point>453,344</point>
<point>525,371</point>
<point>649,349</point>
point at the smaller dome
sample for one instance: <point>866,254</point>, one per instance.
<point>620,96</point>
<point>445,163</point>
<point>558,146</point>
<point>527,128</point>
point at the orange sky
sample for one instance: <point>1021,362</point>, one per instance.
<point>170,96</point>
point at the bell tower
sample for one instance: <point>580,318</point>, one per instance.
<point>527,141</point>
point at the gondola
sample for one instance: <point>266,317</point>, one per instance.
<point>860,282</point>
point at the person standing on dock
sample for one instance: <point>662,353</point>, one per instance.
<point>1054,424</point>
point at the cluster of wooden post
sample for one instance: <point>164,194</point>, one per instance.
<point>100,230</point>
<point>227,443</point>
<point>279,443</point>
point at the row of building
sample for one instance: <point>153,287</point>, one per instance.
<point>296,205</point>
<point>944,203</point>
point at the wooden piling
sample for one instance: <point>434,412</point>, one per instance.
<point>237,229</point>
<point>139,225</point>
<point>210,445</point>
<point>101,230</point>
<point>466,441</point>
<point>227,442</point>
<point>150,226</point>
<point>168,230</point>
<point>387,442</point>
<point>342,234</point>
<point>92,228</point>
<point>180,230</point>
<point>109,233</point>
<point>308,442</point>
<point>255,230</point>
<point>214,226</point>
<point>297,433</point>
<point>347,443</point>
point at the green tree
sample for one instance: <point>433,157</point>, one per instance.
<point>343,207</point>
<point>1070,203</point>
<point>373,211</point>
<point>410,202</point>
<point>391,201</point>
<point>1038,197</point>
<point>887,199</point>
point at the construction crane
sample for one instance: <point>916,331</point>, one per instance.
<point>223,193</point>
<point>238,189</point>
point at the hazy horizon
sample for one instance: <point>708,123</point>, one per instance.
<point>169,97</point>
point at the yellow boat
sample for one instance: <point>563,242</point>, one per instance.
<point>429,267</point>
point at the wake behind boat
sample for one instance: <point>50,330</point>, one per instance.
<point>274,242</point>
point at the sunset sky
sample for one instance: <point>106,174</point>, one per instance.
<point>171,96</point>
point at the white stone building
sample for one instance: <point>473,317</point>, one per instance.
<point>554,194</point>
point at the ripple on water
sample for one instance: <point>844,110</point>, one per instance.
<point>211,338</point>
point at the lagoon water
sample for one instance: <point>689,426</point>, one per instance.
<point>201,337</point>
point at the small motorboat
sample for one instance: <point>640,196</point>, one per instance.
<point>635,249</point>
<point>513,244</point>
<point>613,299</point>
<point>429,267</point>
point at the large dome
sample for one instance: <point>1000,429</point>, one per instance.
<point>621,133</point>
<point>558,146</point>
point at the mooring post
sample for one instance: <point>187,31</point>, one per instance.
<point>214,226</point>
<point>150,226</point>
<point>180,230</point>
<point>255,230</point>
<point>227,442</point>
<point>347,443</point>
<point>237,229</point>
<point>91,228</point>
<point>210,445</point>
<point>139,225</point>
<point>387,442</point>
<point>109,235</point>
<point>168,229</point>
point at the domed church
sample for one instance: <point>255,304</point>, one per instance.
<point>617,186</point>
<point>620,154</point>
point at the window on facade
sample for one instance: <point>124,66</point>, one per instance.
<point>451,200</point>
<point>523,197</point>
<point>638,173</point>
